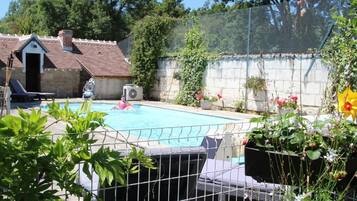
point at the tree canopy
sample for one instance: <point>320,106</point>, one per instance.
<point>274,26</point>
<point>97,19</point>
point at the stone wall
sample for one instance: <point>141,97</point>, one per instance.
<point>284,76</point>
<point>65,83</point>
<point>109,88</point>
<point>16,74</point>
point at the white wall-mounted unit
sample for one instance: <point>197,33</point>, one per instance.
<point>132,92</point>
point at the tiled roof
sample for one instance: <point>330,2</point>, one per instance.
<point>102,60</point>
<point>99,58</point>
<point>7,44</point>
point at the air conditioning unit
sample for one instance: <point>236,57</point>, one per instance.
<point>132,92</point>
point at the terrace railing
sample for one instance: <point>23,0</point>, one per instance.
<point>202,162</point>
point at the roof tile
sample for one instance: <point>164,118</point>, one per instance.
<point>99,58</point>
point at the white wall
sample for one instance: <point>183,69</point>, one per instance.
<point>284,75</point>
<point>109,88</point>
<point>34,48</point>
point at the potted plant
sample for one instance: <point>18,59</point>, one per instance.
<point>289,149</point>
<point>285,105</point>
<point>256,84</point>
<point>239,105</point>
<point>206,101</point>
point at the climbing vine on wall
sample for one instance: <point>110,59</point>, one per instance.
<point>341,53</point>
<point>193,60</point>
<point>149,36</point>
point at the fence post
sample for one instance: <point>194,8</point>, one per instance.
<point>5,100</point>
<point>247,58</point>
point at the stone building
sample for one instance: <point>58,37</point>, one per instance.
<point>63,64</point>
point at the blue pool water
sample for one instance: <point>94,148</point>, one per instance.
<point>157,124</point>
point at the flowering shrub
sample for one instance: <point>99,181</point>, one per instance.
<point>286,103</point>
<point>201,96</point>
<point>294,134</point>
<point>332,141</point>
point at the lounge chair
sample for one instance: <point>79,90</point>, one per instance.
<point>226,179</point>
<point>19,92</point>
<point>174,179</point>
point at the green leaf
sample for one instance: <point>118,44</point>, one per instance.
<point>256,120</point>
<point>84,155</point>
<point>86,170</point>
<point>313,154</point>
<point>12,123</point>
<point>59,148</point>
<point>85,107</point>
<point>100,172</point>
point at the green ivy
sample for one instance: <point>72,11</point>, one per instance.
<point>341,53</point>
<point>193,60</point>
<point>149,36</point>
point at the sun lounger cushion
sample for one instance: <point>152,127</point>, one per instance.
<point>213,168</point>
<point>236,178</point>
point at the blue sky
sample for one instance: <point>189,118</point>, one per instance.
<point>194,4</point>
<point>4,5</point>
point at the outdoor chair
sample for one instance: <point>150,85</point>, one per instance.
<point>225,180</point>
<point>20,93</point>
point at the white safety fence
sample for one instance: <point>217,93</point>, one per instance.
<point>202,163</point>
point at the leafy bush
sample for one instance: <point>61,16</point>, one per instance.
<point>200,95</point>
<point>31,162</point>
<point>294,134</point>
<point>256,84</point>
<point>194,60</point>
<point>239,106</point>
<point>149,36</point>
<point>333,141</point>
<point>283,105</point>
<point>341,53</point>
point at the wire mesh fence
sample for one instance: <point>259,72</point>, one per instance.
<point>288,27</point>
<point>204,162</point>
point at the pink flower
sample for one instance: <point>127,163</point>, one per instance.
<point>219,95</point>
<point>199,96</point>
<point>281,102</point>
<point>245,141</point>
<point>294,98</point>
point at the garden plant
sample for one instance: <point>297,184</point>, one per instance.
<point>256,84</point>
<point>193,60</point>
<point>37,165</point>
<point>325,148</point>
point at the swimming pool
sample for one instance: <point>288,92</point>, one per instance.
<point>167,126</point>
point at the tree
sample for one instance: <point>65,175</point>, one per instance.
<point>100,25</point>
<point>97,19</point>
<point>172,8</point>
